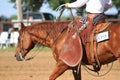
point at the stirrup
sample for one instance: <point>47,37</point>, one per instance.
<point>96,66</point>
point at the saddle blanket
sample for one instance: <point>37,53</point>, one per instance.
<point>71,52</point>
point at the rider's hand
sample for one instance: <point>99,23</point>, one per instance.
<point>66,5</point>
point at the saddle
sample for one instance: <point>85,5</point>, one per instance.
<point>72,50</point>
<point>92,45</point>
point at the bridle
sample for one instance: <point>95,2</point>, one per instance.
<point>21,46</point>
<point>23,50</point>
<point>21,42</point>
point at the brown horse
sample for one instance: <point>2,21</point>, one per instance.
<point>53,35</point>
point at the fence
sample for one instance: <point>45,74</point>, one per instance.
<point>113,20</point>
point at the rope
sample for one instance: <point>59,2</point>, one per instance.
<point>59,9</point>
<point>87,68</point>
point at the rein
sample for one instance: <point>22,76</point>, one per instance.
<point>43,41</point>
<point>61,9</point>
<point>22,49</point>
<point>58,9</point>
<point>35,53</point>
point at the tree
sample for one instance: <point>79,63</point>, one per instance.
<point>13,17</point>
<point>32,5</point>
<point>35,5</point>
<point>55,3</point>
<point>116,3</point>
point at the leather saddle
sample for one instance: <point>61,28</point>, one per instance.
<point>71,52</point>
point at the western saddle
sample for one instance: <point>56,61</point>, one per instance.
<point>95,25</point>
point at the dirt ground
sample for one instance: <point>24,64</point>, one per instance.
<point>41,67</point>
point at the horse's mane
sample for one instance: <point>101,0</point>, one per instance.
<point>48,27</point>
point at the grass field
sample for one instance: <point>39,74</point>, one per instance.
<point>37,48</point>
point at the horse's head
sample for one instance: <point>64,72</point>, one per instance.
<point>25,43</point>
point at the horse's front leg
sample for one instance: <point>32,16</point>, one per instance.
<point>59,69</point>
<point>77,72</point>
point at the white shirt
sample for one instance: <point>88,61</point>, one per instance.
<point>92,6</point>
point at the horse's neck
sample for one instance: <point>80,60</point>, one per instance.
<point>46,35</point>
<point>41,37</point>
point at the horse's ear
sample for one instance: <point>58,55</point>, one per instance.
<point>22,25</point>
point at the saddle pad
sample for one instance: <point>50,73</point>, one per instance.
<point>71,52</point>
<point>103,26</point>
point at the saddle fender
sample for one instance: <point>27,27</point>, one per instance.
<point>71,52</point>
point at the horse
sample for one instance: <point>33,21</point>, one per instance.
<point>53,35</point>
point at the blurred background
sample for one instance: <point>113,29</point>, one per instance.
<point>12,12</point>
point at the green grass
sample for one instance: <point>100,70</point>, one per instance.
<point>12,49</point>
<point>41,48</point>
